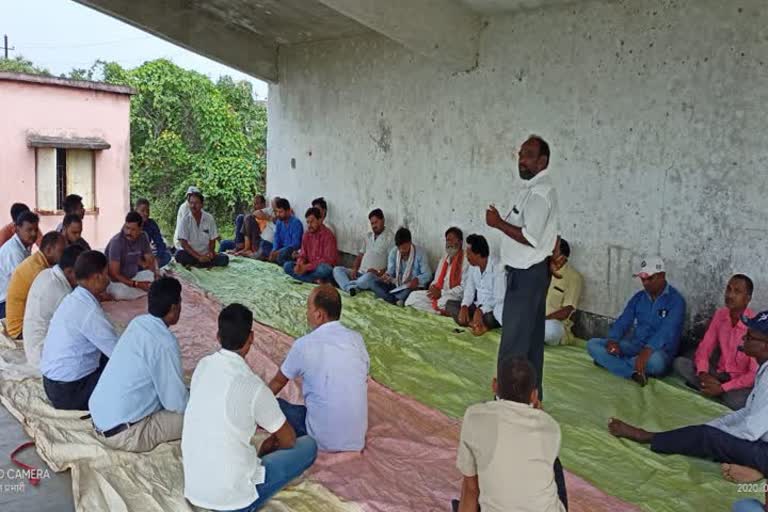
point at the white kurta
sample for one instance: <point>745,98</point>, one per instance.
<point>420,300</point>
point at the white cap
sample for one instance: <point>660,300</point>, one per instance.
<point>650,266</point>
<point>193,189</point>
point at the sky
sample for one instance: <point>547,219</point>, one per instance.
<point>61,35</point>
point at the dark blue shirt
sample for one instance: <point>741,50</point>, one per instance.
<point>153,232</point>
<point>657,324</point>
<point>288,234</point>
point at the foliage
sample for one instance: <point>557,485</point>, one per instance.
<point>19,64</point>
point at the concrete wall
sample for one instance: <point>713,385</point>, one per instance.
<point>656,112</point>
<point>62,111</point>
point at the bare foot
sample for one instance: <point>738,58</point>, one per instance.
<point>740,474</point>
<point>620,429</point>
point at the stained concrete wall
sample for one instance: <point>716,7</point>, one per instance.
<point>656,112</point>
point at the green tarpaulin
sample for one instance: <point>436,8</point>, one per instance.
<point>421,355</point>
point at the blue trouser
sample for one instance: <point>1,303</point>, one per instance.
<point>231,245</point>
<point>265,248</point>
<point>748,506</point>
<point>2,309</point>
<point>295,415</point>
<point>281,467</point>
<point>382,291</point>
<point>624,364</point>
<point>363,281</point>
<point>711,443</point>
<point>284,255</point>
<point>163,258</point>
<point>323,272</point>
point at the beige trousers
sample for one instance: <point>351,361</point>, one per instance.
<point>160,427</point>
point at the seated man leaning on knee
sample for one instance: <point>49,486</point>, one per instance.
<point>227,404</point>
<point>140,398</point>
<point>407,270</point>
<point>333,363</point>
<point>80,338</point>
<point>371,260</point>
<point>739,439</point>
<point>318,253</point>
<point>732,376</point>
<point>132,266</point>
<point>562,300</point>
<point>197,237</point>
<point>655,315</point>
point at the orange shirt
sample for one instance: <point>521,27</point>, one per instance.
<point>7,232</point>
<point>18,290</point>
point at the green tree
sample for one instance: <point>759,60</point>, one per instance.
<point>19,64</point>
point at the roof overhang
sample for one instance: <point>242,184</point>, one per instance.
<point>44,141</point>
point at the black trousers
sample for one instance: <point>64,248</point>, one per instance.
<point>74,396</point>
<point>453,308</point>
<point>186,259</point>
<point>522,326</point>
<point>711,443</point>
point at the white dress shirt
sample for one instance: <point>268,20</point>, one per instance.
<point>12,253</point>
<point>536,212</point>
<point>751,422</point>
<point>227,403</point>
<point>375,250</point>
<point>46,293</point>
<point>486,289</point>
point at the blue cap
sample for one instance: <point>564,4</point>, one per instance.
<point>759,322</point>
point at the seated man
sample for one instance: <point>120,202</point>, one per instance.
<point>407,270</point>
<point>371,260</point>
<point>7,231</point>
<point>738,439</point>
<point>562,300</point>
<point>333,364</point>
<point>73,205</point>
<point>731,379</point>
<point>321,204</point>
<point>22,278</point>
<point>46,293</point>
<point>288,234</point>
<point>72,229</point>
<point>247,241</point>
<point>318,253</point>
<point>132,267</point>
<point>16,250</point>
<point>266,220</point>
<point>449,279</point>
<point>515,467</point>
<point>227,403</point>
<point>150,227</point>
<point>80,338</point>
<point>656,315</point>
<point>484,288</point>
<point>140,398</point>
<point>183,212</point>
<point>197,237</point>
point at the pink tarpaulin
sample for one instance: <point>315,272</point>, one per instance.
<point>410,454</point>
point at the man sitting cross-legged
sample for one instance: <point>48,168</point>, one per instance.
<point>731,379</point>
<point>655,316</point>
<point>371,260</point>
<point>132,266</point>
<point>288,233</point>
<point>738,439</point>
<point>140,398</point>
<point>80,338</point>
<point>562,300</point>
<point>483,301</point>
<point>333,364</point>
<point>318,253</point>
<point>407,270</point>
<point>448,283</point>
<point>46,293</point>
<point>49,254</point>
<point>508,449</point>
<point>152,230</point>
<point>227,403</point>
<point>197,237</point>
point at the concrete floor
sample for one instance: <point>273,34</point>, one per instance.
<point>53,494</point>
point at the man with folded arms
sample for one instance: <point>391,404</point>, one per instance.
<point>140,398</point>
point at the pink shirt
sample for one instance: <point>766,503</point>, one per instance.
<point>318,247</point>
<point>721,333</point>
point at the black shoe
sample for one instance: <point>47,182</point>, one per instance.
<point>455,505</point>
<point>352,292</point>
<point>640,378</point>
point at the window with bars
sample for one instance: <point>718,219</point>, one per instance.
<point>61,172</point>
<point>61,177</point>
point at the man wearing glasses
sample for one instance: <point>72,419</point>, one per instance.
<point>644,340</point>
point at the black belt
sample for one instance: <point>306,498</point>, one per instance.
<point>115,430</point>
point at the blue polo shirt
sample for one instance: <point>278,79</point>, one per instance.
<point>657,324</point>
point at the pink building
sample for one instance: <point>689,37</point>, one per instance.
<point>60,137</point>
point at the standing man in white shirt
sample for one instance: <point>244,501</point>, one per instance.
<point>227,403</point>
<point>183,212</point>
<point>371,260</point>
<point>739,438</point>
<point>46,293</point>
<point>197,237</point>
<point>530,232</point>
<point>16,250</point>
<point>333,364</point>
